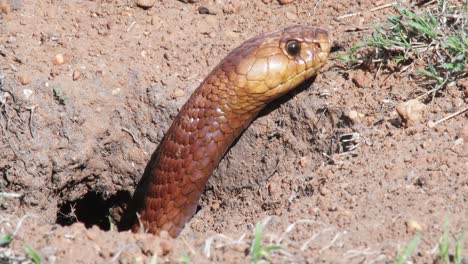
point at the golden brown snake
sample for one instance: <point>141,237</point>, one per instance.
<point>252,75</point>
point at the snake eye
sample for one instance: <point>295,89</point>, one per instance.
<point>293,47</point>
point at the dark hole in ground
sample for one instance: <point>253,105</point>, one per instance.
<point>91,209</point>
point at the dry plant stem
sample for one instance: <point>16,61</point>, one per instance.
<point>449,117</point>
<point>371,10</point>
<point>31,120</point>
<point>133,136</point>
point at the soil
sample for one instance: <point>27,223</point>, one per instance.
<point>88,89</point>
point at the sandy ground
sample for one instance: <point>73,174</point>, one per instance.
<point>76,135</point>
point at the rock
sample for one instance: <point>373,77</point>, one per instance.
<point>24,78</point>
<point>285,2</point>
<point>353,115</point>
<point>27,93</point>
<point>76,75</point>
<point>303,161</point>
<point>59,59</point>
<point>179,92</point>
<point>203,10</point>
<point>145,4</point>
<point>274,190</point>
<point>413,226</point>
<point>411,112</point>
<point>209,10</point>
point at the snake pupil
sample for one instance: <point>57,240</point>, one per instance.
<point>293,47</point>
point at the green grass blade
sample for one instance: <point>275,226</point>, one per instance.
<point>6,240</point>
<point>409,249</point>
<point>444,245</point>
<point>459,249</point>
<point>32,253</point>
<point>256,246</point>
<point>185,259</point>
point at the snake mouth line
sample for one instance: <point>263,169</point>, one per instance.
<point>302,76</point>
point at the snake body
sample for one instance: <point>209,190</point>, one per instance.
<point>252,75</point>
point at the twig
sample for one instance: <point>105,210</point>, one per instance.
<point>20,223</point>
<point>31,120</point>
<point>133,136</point>
<point>115,258</point>
<point>371,10</point>
<point>293,225</point>
<point>433,124</point>
<point>332,242</point>
<point>131,26</point>
<point>9,195</point>
<point>315,7</point>
<point>313,237</point>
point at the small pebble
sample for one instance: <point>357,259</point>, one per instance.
<point>353,115</point>
<point>303,162</point>
<point>274,189</point>
<point>285,2</point>
<point>179,92</point>
<point>76,75</point>
<point>27,93</point>
<point>413,226</point>
<point>203,10</point>
<point>24,78</point>
<point>116,91</point>
<point>145,3</point>
<point>59,59</point>
<point>411,112</point>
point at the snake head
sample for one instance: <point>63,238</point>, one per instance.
<point>270,65</point>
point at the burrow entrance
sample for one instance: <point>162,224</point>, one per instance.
<point>92,209</point>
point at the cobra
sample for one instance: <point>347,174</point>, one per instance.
<point>257,72</point>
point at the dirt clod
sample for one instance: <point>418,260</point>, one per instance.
<point>361,79</point>
<point>24,78</point>
<point>411,112</point>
